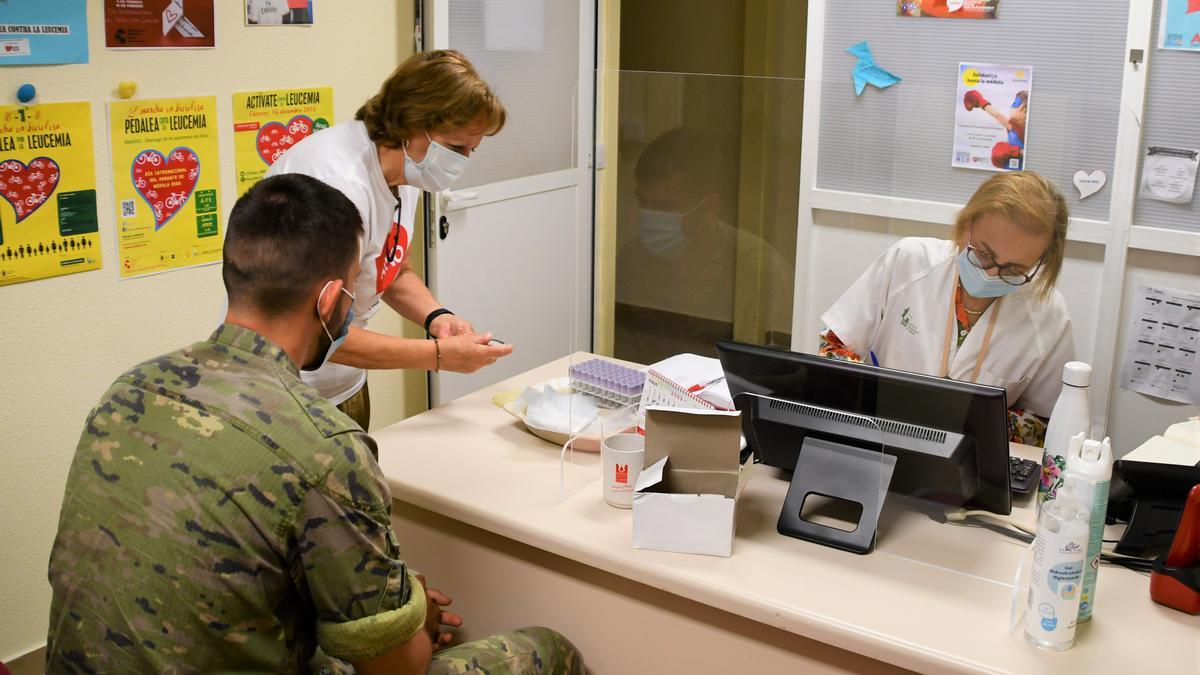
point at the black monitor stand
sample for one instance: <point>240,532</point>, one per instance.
<point>844,472</point>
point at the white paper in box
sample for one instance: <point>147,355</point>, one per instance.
<point>685,499</point>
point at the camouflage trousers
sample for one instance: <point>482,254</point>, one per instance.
<point>526,651</point>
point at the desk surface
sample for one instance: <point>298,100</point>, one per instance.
<point>931,596</point>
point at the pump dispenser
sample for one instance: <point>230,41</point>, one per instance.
<point>1058,562</point>
<point>1090,464</point>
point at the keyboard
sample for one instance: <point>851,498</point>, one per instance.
<point>1023,475</point>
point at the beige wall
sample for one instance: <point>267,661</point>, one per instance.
<point>607,102</point>
<point>65,339</point>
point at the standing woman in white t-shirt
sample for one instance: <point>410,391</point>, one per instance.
<point>416,134</point>
<point>979,308</point>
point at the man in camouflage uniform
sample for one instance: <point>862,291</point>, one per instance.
<point>220,515</point>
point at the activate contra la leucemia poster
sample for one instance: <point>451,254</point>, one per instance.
<point>167,180</point>
<point>991,116</point>
<point>1179,26</point>
<point>267,123</point>
<point>40,32</point>
<point>48,224</point>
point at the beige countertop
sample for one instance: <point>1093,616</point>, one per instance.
<point>931,597</point>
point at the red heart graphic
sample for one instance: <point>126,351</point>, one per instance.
<point>275,138</point>
<point>166,184</point>
<point>27,187</point>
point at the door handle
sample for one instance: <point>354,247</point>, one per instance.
<point>443,227</point>
<point>451,200</point>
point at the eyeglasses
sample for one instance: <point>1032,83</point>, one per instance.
<point>1009,274</point>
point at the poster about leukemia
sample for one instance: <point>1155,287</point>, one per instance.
<point>167,180</point>
<point>48,224</point>
<point>991,116</point>
<point>267,123</point>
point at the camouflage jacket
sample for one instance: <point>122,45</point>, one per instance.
<point>221,516</point>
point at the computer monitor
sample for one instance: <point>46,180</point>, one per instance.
<point>949,439</point>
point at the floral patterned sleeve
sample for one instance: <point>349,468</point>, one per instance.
<point>833,347</point>
<point>1025,427</point>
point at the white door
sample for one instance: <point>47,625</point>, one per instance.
<point>510,246</point>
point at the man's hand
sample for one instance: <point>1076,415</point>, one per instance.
<point>436,617</point>
<point>468,353</point>
<point>449,325</point>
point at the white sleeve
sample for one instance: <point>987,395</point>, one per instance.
<point>856,316</point>
<point>1041,394</point>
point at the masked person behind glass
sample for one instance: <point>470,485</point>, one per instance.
<point>676,275</point>
<point>221,516</point>
<point>980,308</point>
<point>416,134</point>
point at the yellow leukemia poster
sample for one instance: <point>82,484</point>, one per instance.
<point>166,175</point>
<point>48,222</point>
<point>267,123</point>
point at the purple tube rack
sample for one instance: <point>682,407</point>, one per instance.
<point>612,383</point>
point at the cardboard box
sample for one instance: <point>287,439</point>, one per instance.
<point>686,497</point>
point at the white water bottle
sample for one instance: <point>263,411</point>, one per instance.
<point>1071,415</point>
<point>1056,578</point>
<point>1089,466</point>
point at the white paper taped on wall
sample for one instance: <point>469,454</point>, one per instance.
<point>1169,174</point>
<point>1164,338</point>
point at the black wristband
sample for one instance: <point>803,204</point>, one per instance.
<point>433,315</point>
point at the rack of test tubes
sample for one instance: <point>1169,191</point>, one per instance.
<point>615,385</point>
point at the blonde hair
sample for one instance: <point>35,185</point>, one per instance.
<point>1033,204</point>
<point>431,90</point>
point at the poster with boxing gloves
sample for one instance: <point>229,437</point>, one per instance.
<point>166,175</point>
<point>267,123</point>
<point>48,224</point>
<point>991,117</point>
<point>948,9</point>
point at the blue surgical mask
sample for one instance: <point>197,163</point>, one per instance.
<point>977,283</point>
<point>661,232</point>
<point>334,342</point>
<point>440,168</point>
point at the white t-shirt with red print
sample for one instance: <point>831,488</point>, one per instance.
<point>345,158</point>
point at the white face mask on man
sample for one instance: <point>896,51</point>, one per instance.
<point>661,232</point>
<point>440,168</point>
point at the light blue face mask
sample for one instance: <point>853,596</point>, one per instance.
<point>334,342</point>
<point>661,232</point>
<point>978,283</point>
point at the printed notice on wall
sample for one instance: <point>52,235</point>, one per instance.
<point>948,9</point>
<point>158,24</point>
<point>267,123</point>
<point>1179,26</point>
<point>167,181</point>
<point>39,32</point>
<point>1169,174</point>
<point>991,116</point>
<point>1163,337</point>
<point>48,224</point>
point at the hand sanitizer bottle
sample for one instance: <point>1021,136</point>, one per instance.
<point>1092,465</point>
<point>1071,415</point>
<point>1055,581</point>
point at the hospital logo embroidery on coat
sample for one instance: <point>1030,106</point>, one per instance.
<point>395,248</point>
<point>907,322</point>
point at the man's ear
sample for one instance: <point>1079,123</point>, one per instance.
<point>327,298</point>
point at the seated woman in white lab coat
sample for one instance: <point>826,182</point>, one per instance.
<point>980,308</point>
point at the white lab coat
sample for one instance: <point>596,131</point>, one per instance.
<point>898,310</point>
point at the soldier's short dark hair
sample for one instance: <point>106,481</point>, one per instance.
<point>287,234</point>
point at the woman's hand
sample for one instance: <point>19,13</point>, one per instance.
<point>468,353</point>
<point>449,325</point>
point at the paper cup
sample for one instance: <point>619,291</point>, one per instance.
<point>621,456</point>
